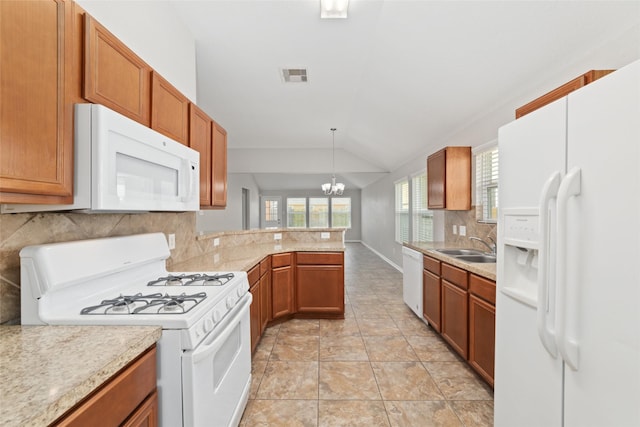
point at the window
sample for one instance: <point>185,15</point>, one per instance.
<point>297,212</point>
<point>402,211</point>
<point>422,218</point>
<point>318,212</point>
<point>487,184</point>
<point>341,212</point>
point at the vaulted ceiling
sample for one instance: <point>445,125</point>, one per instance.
<point>396,78</point>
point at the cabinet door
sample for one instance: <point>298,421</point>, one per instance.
<point>169,110</point>
<point>146,415</point>
<point>254,315</point>
<point>36,92</point>
<point>219,166</point>
<point>482,337</point>
<point>265,300</point>
<point>436,180</point>
<point>114,76</point>
<point>431,293</point>
<point>282,291</point>
<point>320,289</point>
<point>454,317</point>
<point>200,140</point>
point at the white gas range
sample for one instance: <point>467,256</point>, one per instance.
<point>204,356</point>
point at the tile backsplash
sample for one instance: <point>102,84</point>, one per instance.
<point>473,228</point>
<point>20,230</point>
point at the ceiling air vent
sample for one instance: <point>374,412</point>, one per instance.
<point>294,75</point>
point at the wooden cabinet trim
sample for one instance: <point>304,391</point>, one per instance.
<point>146,415</point>
<point>119,397</point>
<point>455,275</point>
<point>281,260</point>
<point>431,264</point>
<point>483,288</point>
<point>131,98</point>
<point>169,109</point>
<point>253,275</point>
<point>265,265</point>
<point>561,91</point>
<point>319,258</point>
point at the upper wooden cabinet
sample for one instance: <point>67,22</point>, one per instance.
<point>37,91</point>
<point>449,179</point>
<point>562,91</point>
<point>219,166</point>
<point>169,110</point>
<point>114,76</point>
<point>201,139</point>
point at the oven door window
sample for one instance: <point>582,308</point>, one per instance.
<point>217,373</point>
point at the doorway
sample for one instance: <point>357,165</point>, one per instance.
<point>270,211</point>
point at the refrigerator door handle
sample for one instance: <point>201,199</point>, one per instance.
<point>547,336</point>
<point>570,187</point>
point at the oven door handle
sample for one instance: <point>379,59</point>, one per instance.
<point>214,340</point>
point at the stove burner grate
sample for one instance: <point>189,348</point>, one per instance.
<point>172,280</point>
<point>195,279</point>
<point>147,304</point>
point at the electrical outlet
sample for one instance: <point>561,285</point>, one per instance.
<point>171,240</point>
<point>463,230</point>
<point>216,242</point>
<point>324,235</point>
<point>277,236</point>
<point>455,229</point>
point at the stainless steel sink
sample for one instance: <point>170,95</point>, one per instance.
<point>455,252</point>
<point>477,258</point>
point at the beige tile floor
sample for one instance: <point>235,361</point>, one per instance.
<point>380,366</point>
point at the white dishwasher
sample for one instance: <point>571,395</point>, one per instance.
<point>412,279</point>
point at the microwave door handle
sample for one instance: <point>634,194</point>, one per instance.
<point>189,168</point>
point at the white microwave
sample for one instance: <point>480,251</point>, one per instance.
<point>123,166</point>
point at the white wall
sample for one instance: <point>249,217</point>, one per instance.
<point>231,217</point>
<point>378,218</point>
<point>152,30</point>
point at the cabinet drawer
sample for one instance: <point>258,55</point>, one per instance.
<point>121,395</point>
<point>483,288</point>
<point>281,260</point>
<point>431,264</point>
<point>320,258</point>
<point>455,275</point>
<point>253,275</point>
<point>265,265</point>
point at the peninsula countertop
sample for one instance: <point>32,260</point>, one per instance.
<point>46,370</point>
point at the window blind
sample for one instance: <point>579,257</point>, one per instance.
<point>402,211</point>
<point>318,212</point>
<point>487,185</point>
<point>422,217</point>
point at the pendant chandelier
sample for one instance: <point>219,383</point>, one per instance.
<point>332,187</point>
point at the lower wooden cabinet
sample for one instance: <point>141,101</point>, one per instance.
<point>454,317</point>
<point>482,337</point>
<point>129,399</point>
<point>431,297</point>
<point>265,293</point>
<point>320,284</point>
<point>254,314</point>
<point>282,298</point>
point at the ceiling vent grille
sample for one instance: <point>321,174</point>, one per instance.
<point>294,75</point>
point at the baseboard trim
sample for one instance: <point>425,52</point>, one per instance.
<point>384,258</point>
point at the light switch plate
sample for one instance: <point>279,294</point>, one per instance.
<point>455,229</point>
<point>216,242</point>
<point>324,235</point>
<point>171,241</point>
<point>463,230</point>
<point>277,236</point>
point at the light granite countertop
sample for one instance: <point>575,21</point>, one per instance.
<point>46,370</point>
<point>487,270</point>
<point>242,258</point>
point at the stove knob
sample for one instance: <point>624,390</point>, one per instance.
<point>231,302</point>
<point>216,316</point>
<point>239,292</point>
<point>207,325</point>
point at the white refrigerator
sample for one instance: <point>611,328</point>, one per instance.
<point>568,272</point>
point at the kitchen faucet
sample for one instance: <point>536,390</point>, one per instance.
<point>491,247</point>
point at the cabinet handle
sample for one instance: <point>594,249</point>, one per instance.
<point>547,336</point>
<point>566,287</point>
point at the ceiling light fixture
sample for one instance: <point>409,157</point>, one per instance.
<point>332,9</point>
<point>332,187</point>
